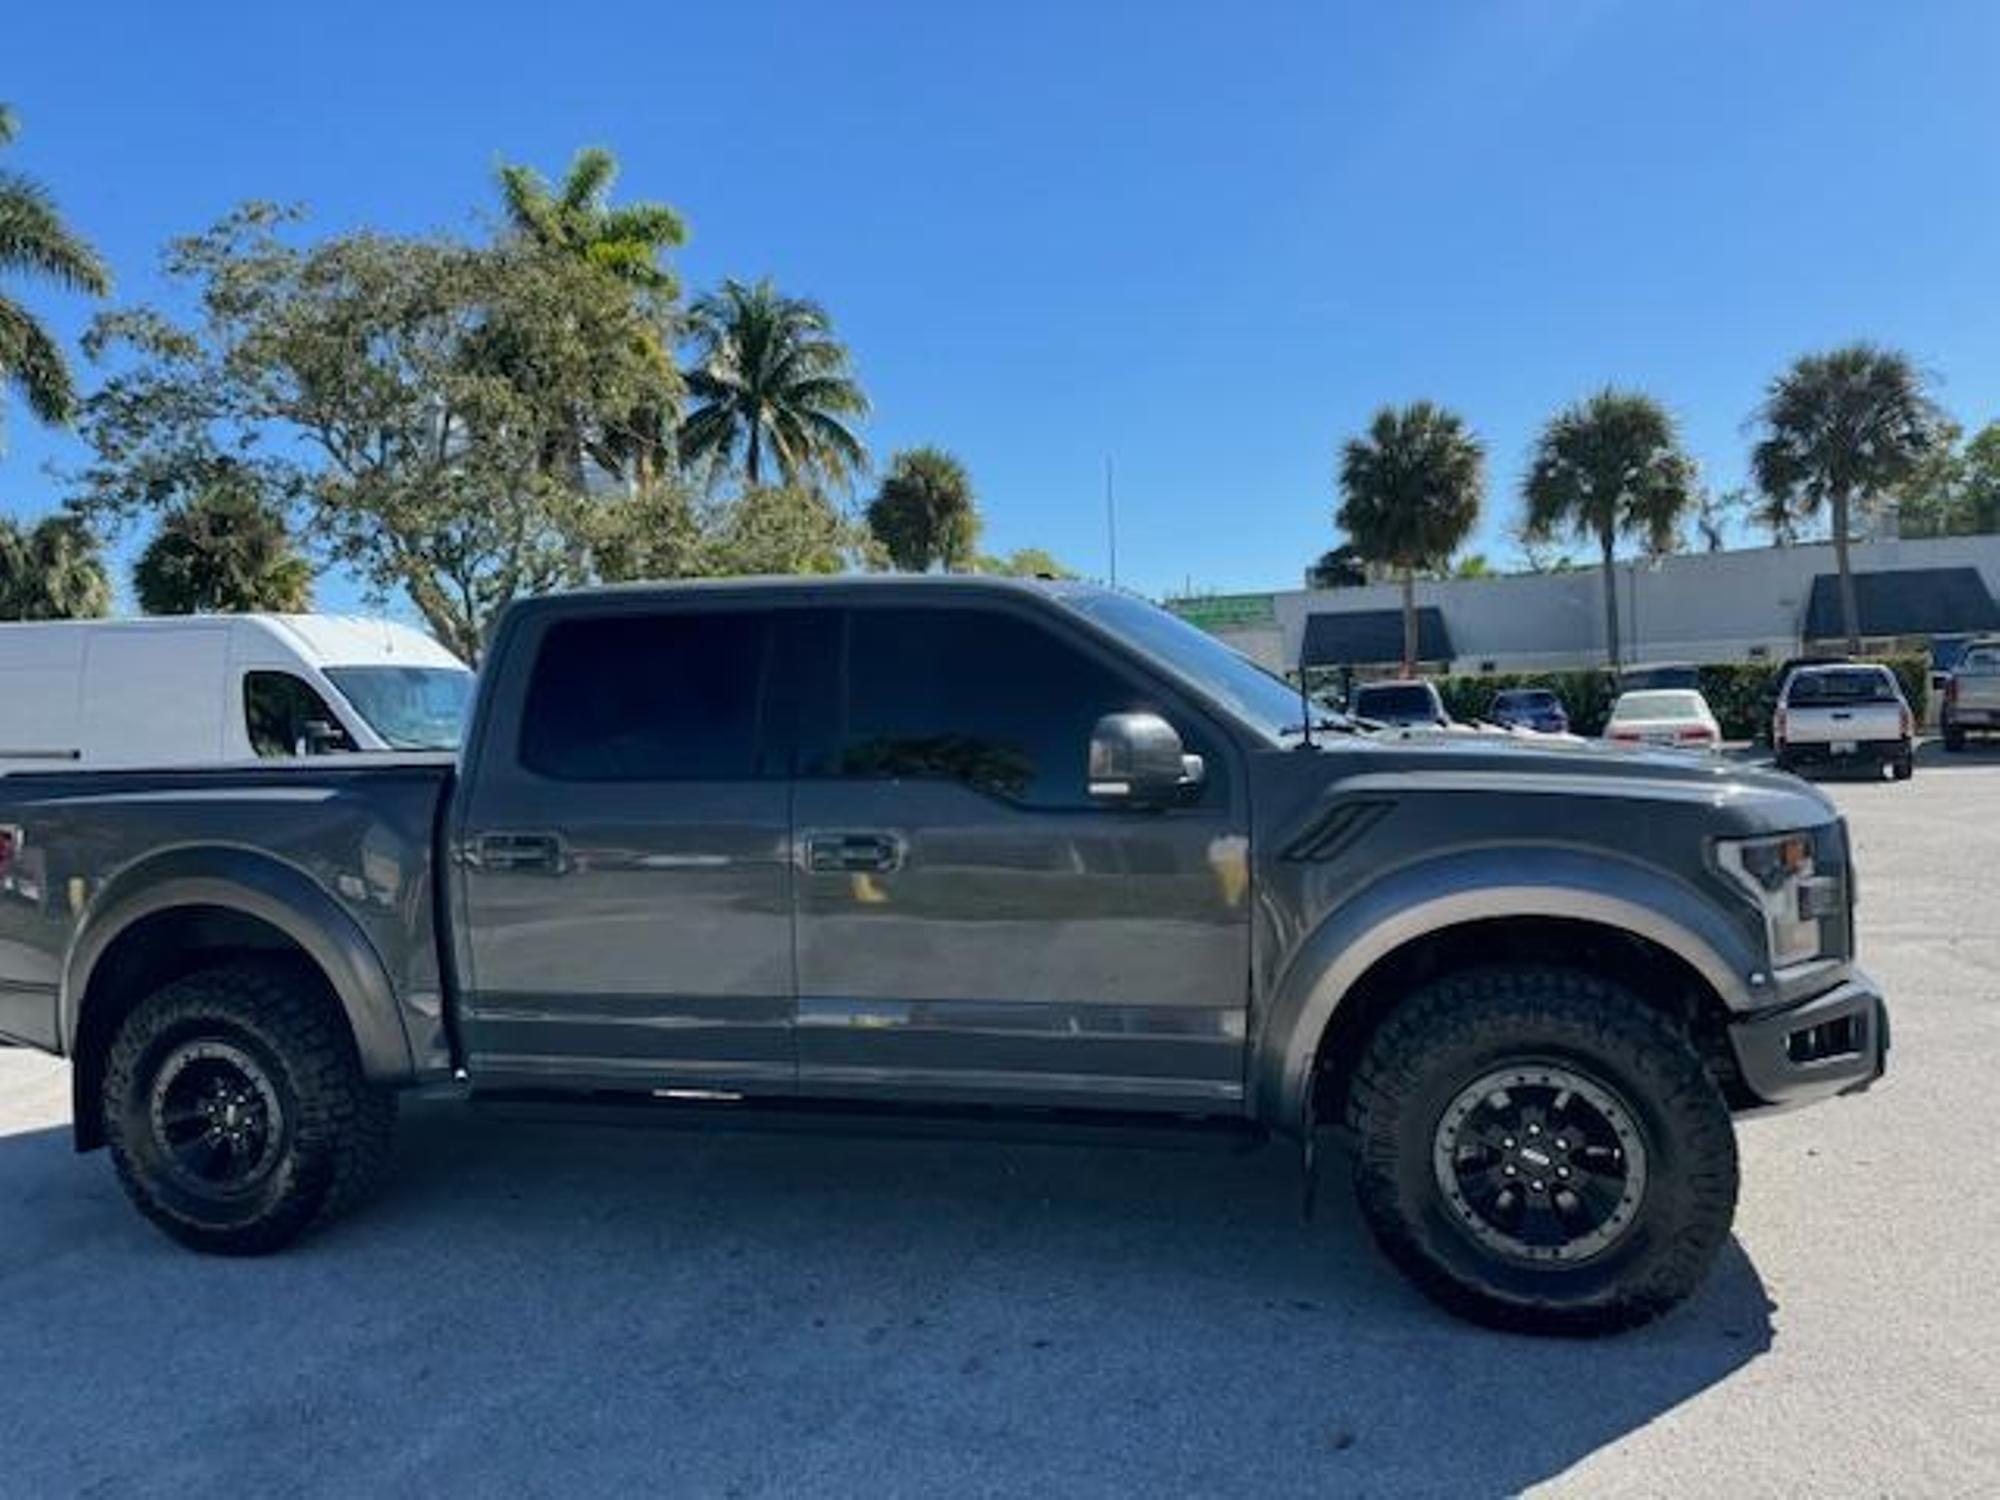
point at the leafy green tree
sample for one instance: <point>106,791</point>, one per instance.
<point>773,384</point>
<point>35,242</point>
<point>1411,490</point>
<point>1608,467</point>
<point>1338,568</point>
<point>52,570</point>
<point>924,514</point>
<point>1842,428</point>
<point>1028,562</point>
<point>1980,496</point>
<point>576,218</point>
<point>1472,565</point>
<point>669,532</point>
<point>225,551</point>
<point>398,398</point>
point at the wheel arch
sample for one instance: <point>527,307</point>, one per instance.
<point>1665,941</point>
<point>190,908</point>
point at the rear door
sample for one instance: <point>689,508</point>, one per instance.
<point>626,894</point>
<point>971,925</point>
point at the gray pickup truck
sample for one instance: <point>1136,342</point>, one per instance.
<point>965,845</point>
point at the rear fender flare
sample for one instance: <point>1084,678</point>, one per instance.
<point>255,885</point>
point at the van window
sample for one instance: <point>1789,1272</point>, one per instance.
<point>637,697</point>
<point>278,708</point>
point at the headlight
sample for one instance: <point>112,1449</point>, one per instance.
<point>1778,876</point>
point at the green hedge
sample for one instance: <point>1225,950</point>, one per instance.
<point>1735,692</point>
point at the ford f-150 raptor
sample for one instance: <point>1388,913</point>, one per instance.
<point>982,845</point>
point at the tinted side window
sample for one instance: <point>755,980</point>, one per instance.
<point>635,697</point>
<point>278,707</point>
<point>978,696</point>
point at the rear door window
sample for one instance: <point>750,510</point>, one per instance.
<point>671,696</point>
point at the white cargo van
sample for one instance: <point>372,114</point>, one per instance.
<point>199,689</point>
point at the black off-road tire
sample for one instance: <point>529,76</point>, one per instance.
<point>1461,1028</point>
<point>330,1130</point>
<point>1905,764</point>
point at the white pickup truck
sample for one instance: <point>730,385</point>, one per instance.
<point>1972,695</point>
<point>1851,713</point>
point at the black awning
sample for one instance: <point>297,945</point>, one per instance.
<point>1371,638</point>
<point>1909,601</point>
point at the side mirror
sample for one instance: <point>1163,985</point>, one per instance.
<point>1137,760</point>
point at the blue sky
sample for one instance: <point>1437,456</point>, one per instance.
<point>1206,239</point>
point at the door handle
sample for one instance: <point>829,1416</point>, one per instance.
<point>518,851</point>
<point>869,853</point>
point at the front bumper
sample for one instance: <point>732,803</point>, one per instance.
<point>1833,1043</point>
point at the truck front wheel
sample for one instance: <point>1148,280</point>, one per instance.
<point>1540,1150</point>
<point>236,1110</point>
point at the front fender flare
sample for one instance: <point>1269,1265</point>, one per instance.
<point>1473,886</point>
<point>256,885</point>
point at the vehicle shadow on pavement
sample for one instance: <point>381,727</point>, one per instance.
<point>1977,754</point>
<point>543,1308</point>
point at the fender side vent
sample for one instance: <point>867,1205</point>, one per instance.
<point>1340,827</point>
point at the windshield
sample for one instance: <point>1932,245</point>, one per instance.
<point>1980,661</point>
<point>1530,701</point>
<point>411,708</point>
<point>1864,686</point>
<point>1403,702</point>
<point>1658,706</point>
<point>1266,701</point>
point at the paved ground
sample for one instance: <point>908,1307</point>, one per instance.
<point>546,1310</point>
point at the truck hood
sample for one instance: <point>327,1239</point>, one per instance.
<point>1753,797</point>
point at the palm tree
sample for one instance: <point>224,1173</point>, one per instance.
<point>224,551</point>
<point>771,379</point>
<point>52,571</point>
<point>1842,427</point>
<point>924,513</point>
<point>1411,489</point>
<point>1337,568</point>
<point>1604,468</point>
<point>576,218</point>
<point>34,241</point>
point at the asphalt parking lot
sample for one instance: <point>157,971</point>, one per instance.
<point>555,1309</point>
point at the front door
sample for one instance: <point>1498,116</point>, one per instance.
<point>971,925</point>
<point>625,878</point>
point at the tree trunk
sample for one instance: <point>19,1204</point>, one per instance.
<point>1850,607</point>
<point>1409,622</point>
<point>1610,602</point>
<point>753,457</point>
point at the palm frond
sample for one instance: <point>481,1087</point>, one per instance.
<point>33,364</point>
<point>33,238</point>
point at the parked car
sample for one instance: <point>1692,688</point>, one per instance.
<point>1767,703</point>
<point>937,842</point>
<point>1972,695</point>
<point>1401,702</point>
<point>1852,714</point>
<point>1538,709</point>
<point>1676,717</point>
<point>199,689</point>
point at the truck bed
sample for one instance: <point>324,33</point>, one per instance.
<point>87,852</point>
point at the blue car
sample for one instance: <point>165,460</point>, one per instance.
<point>1530,708</point>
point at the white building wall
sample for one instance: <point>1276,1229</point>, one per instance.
<point>1699,607</point>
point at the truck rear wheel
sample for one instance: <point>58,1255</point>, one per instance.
<point>1540,1150</point>
<point>236,1110</point>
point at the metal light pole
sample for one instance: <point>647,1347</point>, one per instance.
<point>1111,519</point>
